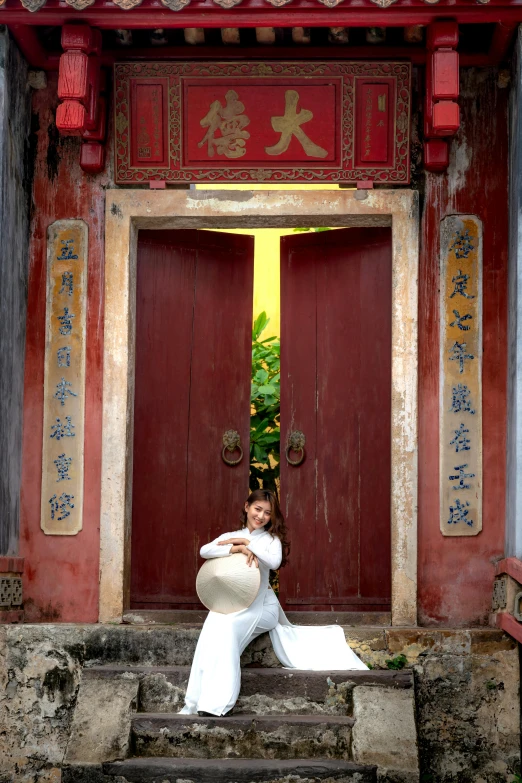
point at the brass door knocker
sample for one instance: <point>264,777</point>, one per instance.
<point>231,443</point>
<point>295,442</point>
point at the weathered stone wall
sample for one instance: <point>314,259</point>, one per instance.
<point>466,681</point>
<point>15,186</point>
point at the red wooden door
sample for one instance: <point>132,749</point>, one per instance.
<point>336,388</point>
<point>193,367</point>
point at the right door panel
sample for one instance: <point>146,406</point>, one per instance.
<point>336,297</point>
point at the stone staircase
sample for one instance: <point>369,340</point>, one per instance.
<point>288,726</point>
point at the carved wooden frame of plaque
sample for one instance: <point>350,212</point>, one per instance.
<point>308,171</point>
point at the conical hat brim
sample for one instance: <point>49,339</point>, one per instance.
<point>227,584</point>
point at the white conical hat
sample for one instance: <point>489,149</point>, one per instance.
<point>227,584</point>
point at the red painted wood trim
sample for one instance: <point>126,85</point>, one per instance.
<point>14,565</point>
<point>508,624</point>
<point>511,566</point>
<point>151,15</point>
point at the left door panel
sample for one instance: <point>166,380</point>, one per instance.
<point>193,368</point>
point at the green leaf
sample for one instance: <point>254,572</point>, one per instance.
<point>267,389</point>
<point>260,325</point>
<point>322,228</point>
<point>260,454</point>
<point>261,375</point>
<point>399,662</point>
<point>297,230</point>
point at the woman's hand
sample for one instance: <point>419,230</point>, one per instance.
<point>251,558</point>
<point>234,541</point>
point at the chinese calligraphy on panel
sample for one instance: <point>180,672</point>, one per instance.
<point>460,386</point>
<point>251,121</point>
<point>64,384</point>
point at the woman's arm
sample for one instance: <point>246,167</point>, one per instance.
<point>267,549</point>
<point>215,549</point>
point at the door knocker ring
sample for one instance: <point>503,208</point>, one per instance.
<point>295,442</point>
<point>231,443</point>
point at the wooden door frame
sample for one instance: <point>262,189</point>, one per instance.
<point>129,210</point>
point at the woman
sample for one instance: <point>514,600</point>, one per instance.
<point>215,677</point>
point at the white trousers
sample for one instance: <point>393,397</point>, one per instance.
<point>215,676</point>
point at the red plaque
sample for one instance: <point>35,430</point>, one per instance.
<point>248,122</point>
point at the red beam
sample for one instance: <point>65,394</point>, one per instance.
<point>37,57</point>
<point>502,40</point>
<point>508,624</point>
<point>309,13</point>
<point>31,48</point>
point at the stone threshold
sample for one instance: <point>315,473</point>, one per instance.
<point>197,616</point>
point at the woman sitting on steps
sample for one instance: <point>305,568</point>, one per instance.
<point>215,677</point>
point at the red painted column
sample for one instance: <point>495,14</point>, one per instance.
<point>61,573</point>
<point>456,574</point>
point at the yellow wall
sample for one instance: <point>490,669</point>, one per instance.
<point>266,259</point>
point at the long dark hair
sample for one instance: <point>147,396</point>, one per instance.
<point>276,526</point>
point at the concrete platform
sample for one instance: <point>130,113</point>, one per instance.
<point>263,691</point>
<point>162,770</point>
<point>242,736</point>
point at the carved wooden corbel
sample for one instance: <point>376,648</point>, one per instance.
<point>82,110</point>
<point>441,110</point>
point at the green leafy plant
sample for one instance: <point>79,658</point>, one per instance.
<point>398,662</point>
<point>317,229</point>
<point>265,399</point>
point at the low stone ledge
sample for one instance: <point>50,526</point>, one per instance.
<point>101,724</point>
<point>385,732</point>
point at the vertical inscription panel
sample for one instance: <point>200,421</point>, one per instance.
<point>461,372</point>
<point>64,383</point>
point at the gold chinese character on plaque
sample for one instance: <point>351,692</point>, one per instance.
<point>230,121</point>
<point>290,125</point>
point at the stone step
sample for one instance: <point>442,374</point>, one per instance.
<point>263,691</point>
<point>174,645</point>
<point>168,770</point>
<point>242,736</point>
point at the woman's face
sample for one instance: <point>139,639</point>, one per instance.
<point>258,514</point>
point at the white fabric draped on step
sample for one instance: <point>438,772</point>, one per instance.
<point>215,677</point>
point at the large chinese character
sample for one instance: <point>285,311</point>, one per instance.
<point>459,355</point>
<point>459,513</point>
<point>66,321</point>
<point>67,253</point>
<point>290,125</point>
<point>63,429</point>
<point>229,121</point>
<point>462,244</point>
<point>63,464</point>
<point>460,441</point>
<point>67,283</point>
<point>63,356</point>
<point>460,399</point>
<point>62,392</point>
<point>461,476</point>
<point>461,285</point>
<point>60,506</point>
<point>459,319</point>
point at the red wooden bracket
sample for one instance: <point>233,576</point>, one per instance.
<point>441,110</point>
<point>158,184</point>
<point>82,111</point>
<point>364,184</point>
